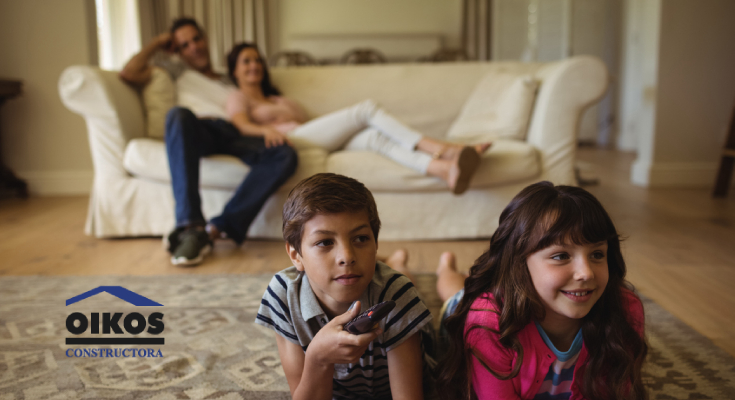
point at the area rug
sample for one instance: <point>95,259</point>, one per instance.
<point>213,350</point>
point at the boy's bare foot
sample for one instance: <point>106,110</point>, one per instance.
<point>399,262</point>
<point>449,280</point>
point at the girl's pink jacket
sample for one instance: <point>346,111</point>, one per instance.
<point>537,357</point>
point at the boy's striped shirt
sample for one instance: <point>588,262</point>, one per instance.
<point>290,307</point>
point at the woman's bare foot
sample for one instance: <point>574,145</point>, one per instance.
<point>453,149</point>
<point>442,150</point>
<point>456,172</point>
<point>399,262</point>
<point>449,281</point>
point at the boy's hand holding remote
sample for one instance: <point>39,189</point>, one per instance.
<point>333,345</point>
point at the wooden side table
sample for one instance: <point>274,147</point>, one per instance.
<point>727,163</point>
<point>8,180</point>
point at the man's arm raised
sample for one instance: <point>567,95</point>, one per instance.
<point>137,71</point>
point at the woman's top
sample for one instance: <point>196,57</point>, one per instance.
<point>537,357</point>
<point>280,112</point>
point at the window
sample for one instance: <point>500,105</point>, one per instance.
<point>118,32</point>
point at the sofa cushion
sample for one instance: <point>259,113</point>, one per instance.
<point>159,95</point>
<point>146,158</point>
<point>505,162</point>
<point>499,107</point>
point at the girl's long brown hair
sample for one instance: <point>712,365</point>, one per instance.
<point>542,215</point>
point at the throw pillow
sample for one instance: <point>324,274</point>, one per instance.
<point>159,95</point>
<point>499,107</point>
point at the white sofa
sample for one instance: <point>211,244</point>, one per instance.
<point>132,196</point>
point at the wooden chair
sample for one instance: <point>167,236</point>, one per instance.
<point>363,56</point>
<point>445,55</point>
<point>722,184</point>
<point>292,58</point>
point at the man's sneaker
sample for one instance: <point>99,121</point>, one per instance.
<point>193,245</point>
<point>171,241</point>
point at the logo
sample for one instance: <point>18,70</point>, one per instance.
<point>114,324</point>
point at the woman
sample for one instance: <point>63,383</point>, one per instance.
<point>258,109</point>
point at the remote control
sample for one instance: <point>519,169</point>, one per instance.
<point>366,321</point>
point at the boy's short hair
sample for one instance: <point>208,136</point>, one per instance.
<point>325,193</point>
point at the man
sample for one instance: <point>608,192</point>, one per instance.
<point>196,128</point>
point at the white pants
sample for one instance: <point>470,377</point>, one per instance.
<point>364,126</point>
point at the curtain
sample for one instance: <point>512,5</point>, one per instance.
<point>476,29</point>
<point>225,22</point>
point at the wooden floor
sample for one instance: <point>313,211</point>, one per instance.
<point>680,246</point>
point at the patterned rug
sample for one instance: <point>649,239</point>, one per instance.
<point>213,350</point>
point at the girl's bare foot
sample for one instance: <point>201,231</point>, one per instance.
<point>447,263</point>
<point>449,281</point>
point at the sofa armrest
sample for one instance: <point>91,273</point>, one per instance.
<point>111,109</point>
<point>568,87</point>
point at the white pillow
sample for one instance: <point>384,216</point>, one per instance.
<point>159,96</point>
<point>499,107</point>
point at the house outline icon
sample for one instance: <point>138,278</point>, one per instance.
<point>119,292</point>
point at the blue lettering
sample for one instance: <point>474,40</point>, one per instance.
<point>86,353</point>
<point>159,354</point>
<point>78,353</point>
<point>67,352</point>
<point>109,352</point>
<point>141,352</point>
<point>117,352</point>
<point>124,353</point>
<point>150,352</point>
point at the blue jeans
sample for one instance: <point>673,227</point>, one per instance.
<point>189,138</point>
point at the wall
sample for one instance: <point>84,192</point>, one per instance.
<point>320,18</point>
<point>550,30</point>
<point>43,142</point>
<point>694,95</point>
<point>639,65</point>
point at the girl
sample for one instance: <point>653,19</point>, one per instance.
<point>258,109</point>
<point>546,312</point>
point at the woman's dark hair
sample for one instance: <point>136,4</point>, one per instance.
<point>265,85</point>
<point>542,215</point>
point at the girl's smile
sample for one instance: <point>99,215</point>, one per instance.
<point>569,279</point>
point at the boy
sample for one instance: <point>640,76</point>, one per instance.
<point>331,224</point>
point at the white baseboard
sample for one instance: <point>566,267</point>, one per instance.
<point>58,183</point>
<point>674,175</point>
